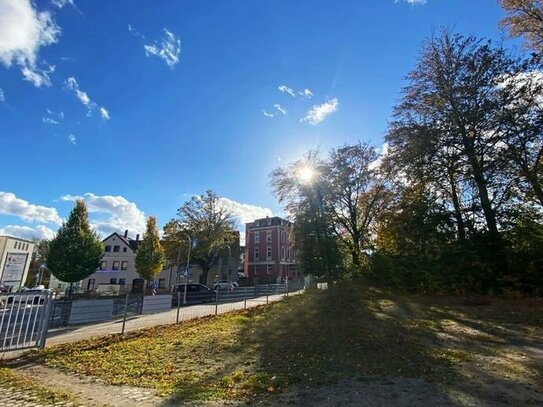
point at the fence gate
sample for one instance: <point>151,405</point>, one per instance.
<point>24,319</point>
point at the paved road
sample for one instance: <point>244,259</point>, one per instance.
<point>135,322</point>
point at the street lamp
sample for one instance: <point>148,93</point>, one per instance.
<point>41,269</point>
<point>186,272</point>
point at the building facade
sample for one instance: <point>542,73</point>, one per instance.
<point>270,256</point>
<point>117,269</point>
<point>15,257</point>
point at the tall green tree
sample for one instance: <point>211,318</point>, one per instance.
<point>150,256</point>
<point>209,224</point>
<point>76,250</point>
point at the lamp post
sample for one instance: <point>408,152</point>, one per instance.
<point>186,273</point>
<point>41,269</point>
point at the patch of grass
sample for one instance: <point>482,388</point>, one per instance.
<point>39,393</point>
<point>319,337</point>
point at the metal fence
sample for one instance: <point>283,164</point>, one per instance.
<point>128,313</point>
<point>24,320</point>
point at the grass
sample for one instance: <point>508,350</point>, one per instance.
<point>316,338</point>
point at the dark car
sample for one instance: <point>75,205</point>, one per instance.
<point>196,294</point>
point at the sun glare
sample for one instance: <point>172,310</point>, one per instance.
<point>306,174</point>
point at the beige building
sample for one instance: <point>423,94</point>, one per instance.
<point>117,269</point>
<point>15,256</point>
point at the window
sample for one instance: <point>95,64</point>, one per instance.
<point>256,253</point>
<point>112,281</point>
<point>124,265</point>
<point>269,269</point>
<point>288,254</point>
<point>116,248</point>
<point>103,265</point>
<point>122,281</point>
<point>115,265</point>
<point>90,284</point>
<point>125,249</point>
<point>283,253</point>
<point>268,236</point>
<point>161,283</point>
<point>268,253</point>
<point>257,223</point>
<point>268,222</point>
<point>107,248</point>
<point>257,237</point>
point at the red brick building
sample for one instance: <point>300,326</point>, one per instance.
<point>270,256</point>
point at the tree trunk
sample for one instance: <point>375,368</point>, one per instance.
<point>457,209</point>
<point>480,182</point>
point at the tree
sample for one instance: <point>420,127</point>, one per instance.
<point>150,254</point>
<point>208,223</point>
<point>304,188</point>
<point>357,195</point>
<point>524,19</point>
<point>39,257</point>
<point>76,250</point>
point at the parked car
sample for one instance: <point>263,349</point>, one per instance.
<point>196,293</point>
<point>225,285</point>
<point>3,289</point>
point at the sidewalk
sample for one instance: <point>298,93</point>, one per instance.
<point>136,322</point>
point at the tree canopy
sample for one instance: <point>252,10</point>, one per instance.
<point>76,250</point>
<point>150,254</point>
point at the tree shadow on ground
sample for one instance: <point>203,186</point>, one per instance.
<point>352,345</point>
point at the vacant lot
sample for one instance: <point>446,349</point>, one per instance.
<point>344,345</point>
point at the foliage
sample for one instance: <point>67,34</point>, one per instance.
<point>524,19</point>
<point>76,250</point>
<point>206,222</point>
<point>39,257</point>
<point>150,254</point>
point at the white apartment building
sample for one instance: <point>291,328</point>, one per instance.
<point>15,256</point>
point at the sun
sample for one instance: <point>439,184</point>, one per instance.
<point>306,174</point>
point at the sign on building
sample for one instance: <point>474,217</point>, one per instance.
<point>14,268</point>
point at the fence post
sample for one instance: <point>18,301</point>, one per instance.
<point>217,302</point>
<point>125,312</point>
<point>286,286</point>
<point>245,298</point>
<point>178,306</point>
<point>45,321</point>
<point>267,294</point>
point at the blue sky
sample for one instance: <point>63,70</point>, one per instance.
<point>137,105</point>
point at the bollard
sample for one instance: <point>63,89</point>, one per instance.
<point>217,303</point>
<point>125,312</point>
<point>178,306</point>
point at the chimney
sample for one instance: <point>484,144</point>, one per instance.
<point>126,233</point>
<point>137,237</point>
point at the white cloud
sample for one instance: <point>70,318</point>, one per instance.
<point>48,120</point>
<point>318,113</point>
<point>383,152</point>
<point>72,139</point>
<point>61,3</point>
<point>280,108</point>
<point>23,31</point>
<point>2,96</point>
<point>71,84</point>
<point>104,113</point>
<point>26,232</point>
<point>413,2</point>
<point>167,49</point>
<point>267,114</point>
<point>114,213</point>
<point>245,213</point>
<point>286,89</point>
<point>306,93</point>
<point>13,206</point>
